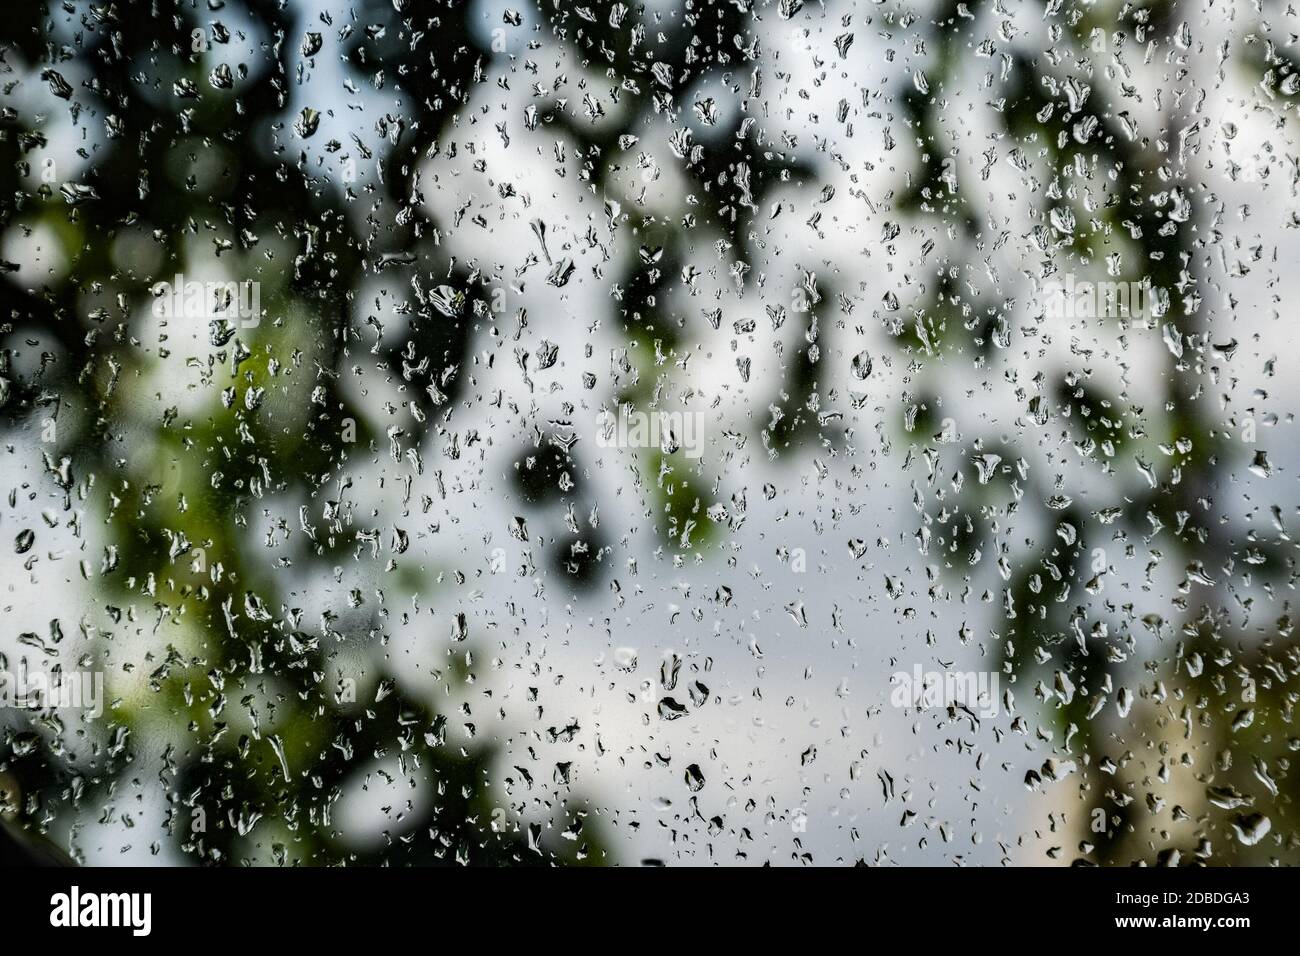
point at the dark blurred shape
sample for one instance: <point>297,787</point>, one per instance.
<point>22,849</point>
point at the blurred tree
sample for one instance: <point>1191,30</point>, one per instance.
<point>254,722</point>
<point>1095,664</point>
<point>257,721</point>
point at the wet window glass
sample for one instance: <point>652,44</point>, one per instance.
<point>681,432</point>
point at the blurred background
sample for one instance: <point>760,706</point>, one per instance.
<point>364,579</point>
